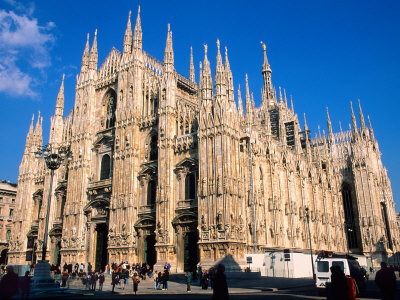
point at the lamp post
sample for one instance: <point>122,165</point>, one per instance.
<point>53,158</point>
<point>309,235</point>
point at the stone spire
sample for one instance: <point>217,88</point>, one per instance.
<point>266,72</point>
<point>362,121</point>
<point>306,131</point>
<point>341,131</point>
<point>85,57</point>
<point>219,75</point>
<point>330,132</point>
<point>353,121</point>
<point>371,131</point>
<point>284,97</point>
<point>93,59</point>
<point>229,78</point>
<point>137,35</point>
<point>280,95</point>
<point>206,80</point>
<point>248,99</point>
<point>37,134</point>
<point>191,69</point>
<point>169,53</point>
<point>60,100</point>
<point>240,102</point>
<point>29,137</point>
<point>128,36</point>
<point>291,104</point>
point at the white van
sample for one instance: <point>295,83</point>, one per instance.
<point>347,263</point>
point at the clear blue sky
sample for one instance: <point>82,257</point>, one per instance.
<point>325,53</point>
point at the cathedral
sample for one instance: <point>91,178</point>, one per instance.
<point>170,169</point>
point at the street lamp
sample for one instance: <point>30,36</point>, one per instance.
<point>53,158</point>
<point>309,235</point>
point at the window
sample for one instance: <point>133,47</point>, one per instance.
<point>13,200</point>
<point>1,199</point>
<point>338,263</point>
<point>110,117</point>
<point>105,167</point>
<point>8,233</point>
<point>11,213</point>
<point>151,192</point>
<point>323,266</point>
<point>153,148</point>
<point>190,187</point>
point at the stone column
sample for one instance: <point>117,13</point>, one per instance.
<point>180,249</point>
<point>91,243</point>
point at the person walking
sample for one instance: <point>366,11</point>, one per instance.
<point>89,268</point>
<point>101,280</point>
<point>25,286</point>
<point>9,284</point>
<point>65,277</point>
<point>339,287</point>
<point>204,279</point>
<point>136,281</point>
<point>93,279</point>
<point>220,291</point>
<point>155,279</point>
<point>114,280</point>
<point>188,280</point>
<point>165,279</point>
<point>211,277</point>
<point>385,279</point>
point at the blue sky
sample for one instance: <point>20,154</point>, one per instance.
<point>325,53</point>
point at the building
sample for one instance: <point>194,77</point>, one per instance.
<point>8,194</point>
<point>166,168</point>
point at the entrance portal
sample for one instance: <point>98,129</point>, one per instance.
<point>3,257</point>
<point>57,255</point>
<point>191,252</point>
<point>101,247</point>
<point>150,254</point>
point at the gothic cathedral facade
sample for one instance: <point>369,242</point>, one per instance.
<point>166,169</point>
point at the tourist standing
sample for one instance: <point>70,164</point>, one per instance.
<point>65,277</point>
<point>204,280</point>
<point>155,279</point>
<point>165,279</point>
<point>188,280</point>
<point>114,280</point>
<point>101,280</point>
<point>93,279</point>
<point>220,291</point>
<point>25,286</point>
<point>89,268</point>
<point>211,277</point>
<point>136,281</point>
<point>385,279</point>
<point>200,272</point>
<point>339,286</point>
<point>9,284</point>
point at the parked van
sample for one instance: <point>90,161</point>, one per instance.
<point>347,263</point>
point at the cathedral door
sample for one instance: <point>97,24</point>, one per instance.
<point>101,258</point>
<point>57,254</point>
<point>191,252</point>
<point>150,255</point>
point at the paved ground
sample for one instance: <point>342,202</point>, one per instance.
<point>266,287</point>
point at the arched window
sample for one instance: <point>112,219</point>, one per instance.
<point>151,192</point>
<point>349,217</point>
<point>8,233</point>
<point>153,148</point>
<point>386,223</point>
<point>110,116</point>
<point>105,167</point>
<point>190,187</point>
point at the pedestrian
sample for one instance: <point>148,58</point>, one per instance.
<point>65,267</point>
<point>385,279</point>
<point>159,281</point>
<point>165,279</point>
<point>9,284</point>
<point>114,280</point>
<point>136,281</point>
<point>204,279</point>
<point>25,286</point>
<point>155,279</point>
<point>89,268</point>
<point>93,280</point>
<point>211,277</point>
<point>65,277</point>
<point>188,280</point>
<point>220,291</point>
<point>200,272</point>
<point>339,286</point>
<point>101,280</point>
<point>89,281</point>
